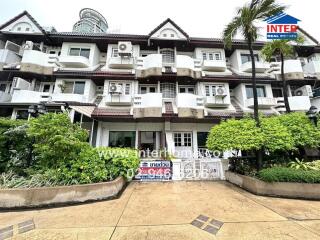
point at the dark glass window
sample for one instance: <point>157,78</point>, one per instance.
<point>246,58</point>
<point>277,92</point>
<point>202,139</point>
<point>22,114</point>
<point>122,139</point>
<point>79,87</point>
<point>261,92</point>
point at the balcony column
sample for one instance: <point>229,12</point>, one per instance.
<point>159,87</point>
<point>195,143</point>
<point>32,85</point>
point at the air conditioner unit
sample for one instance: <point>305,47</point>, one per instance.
<point>221,91</point>
<point>124,48</point>
<point>306,90</point>
<point>115,89</point>
<point>28,45</point>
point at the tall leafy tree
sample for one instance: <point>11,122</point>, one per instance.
<point>245,23</point>
<point>283,49</point>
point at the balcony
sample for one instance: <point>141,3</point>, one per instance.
<point>74,61</point>
<point>261,67</point>
<point>312,68</point>
<point>8,57</point>
<point>68,97</point>
<point>214,65</point>
<point>190,105</point>
<point>188,66</point>
<point>147,105</point>
<point>150,65</point>
<point>292,69</point>
<point>118,100</point>
<point>26,96</point>
<point>296,103</point>
<point>217,101</point>
<point>5,97</point>
<point>263,102</point>
<point>121,63</point>
<point>38,62</point>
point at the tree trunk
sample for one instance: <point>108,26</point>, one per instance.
<point>284,86</point>
<point>259,153</point>
<point>254,86</point>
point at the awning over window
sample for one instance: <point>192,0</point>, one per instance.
<point>85,110</point>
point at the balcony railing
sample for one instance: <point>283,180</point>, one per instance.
<point>9,57</point>
<point>312,67</point>
<point>148,100</point>
<point>188,100</point>
<point>121,62</point>
<point>217,101</point>
<point>26,96</point>
<point>296,103</point>
<point>261,67</point>
<point>118,100</point>
<point>74,61</point>
<point>214,65</point>
<point>263,102</point>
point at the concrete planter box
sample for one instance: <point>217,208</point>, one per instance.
<point>278,189</point>
<point>44,196</point>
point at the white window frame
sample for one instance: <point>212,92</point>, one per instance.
<point>182,138</point>
<point>80,49</point>
<point>212,56</point>
<point>148,86</point>
<point>46,83</point>
<point>186,87</point>
<point>73,86</point>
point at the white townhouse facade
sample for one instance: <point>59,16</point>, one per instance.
<point>160,90</point>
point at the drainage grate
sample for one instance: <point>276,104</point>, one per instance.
<point>25,226</point>
<point>207,224</point>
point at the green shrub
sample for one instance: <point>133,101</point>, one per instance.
<point>120,161</point>
<point>88,167</point>
<point>283,174</point>
<point>315,165</point>
<point>57,140</point>
<point>15,146</point>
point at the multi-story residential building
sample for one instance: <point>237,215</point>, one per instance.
<point>164,89</point>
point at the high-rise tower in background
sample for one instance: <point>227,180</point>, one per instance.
<point>90,21</point>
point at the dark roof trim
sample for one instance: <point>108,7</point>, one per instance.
<point>308,35</point>
<point>19,16</point>
<point>168,20</point>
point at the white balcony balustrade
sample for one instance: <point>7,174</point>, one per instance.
<point>296,103</point>
<point>188,100</point>
<point>147,105</point>
<point>312,67</point>
<point>8,57</point>
<point>217,101</point>
<point>292,69</point>
<point>261,67</point>
<point>68,97</point>
<point>149,65</point>
<point>214,65</point>
<point>27,96</point>
<point>5,97</point>
<point>121,62</point>
<point>190,105</point>
<point>263,102</point>
<point>187,66</point>
<point>118,100</point>
<point>38,62</point>
<point>74,61</point>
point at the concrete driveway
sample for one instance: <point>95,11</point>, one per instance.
<point>173,210</point>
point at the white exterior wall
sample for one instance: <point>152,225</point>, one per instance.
<point>7,56</point>
<point>94,58</point>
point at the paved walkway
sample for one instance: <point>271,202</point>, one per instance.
<point>217,210</point>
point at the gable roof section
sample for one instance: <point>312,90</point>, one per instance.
<point>306,34</point>
<point>282,18</point>
<point>168,20</point>
<point>24,13</point>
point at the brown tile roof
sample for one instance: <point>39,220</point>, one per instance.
<point>104,112</point>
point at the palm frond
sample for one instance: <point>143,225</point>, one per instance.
<point>231,30</point>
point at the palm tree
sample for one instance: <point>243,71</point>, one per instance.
<point>245,23</point>
<point>282,49</point>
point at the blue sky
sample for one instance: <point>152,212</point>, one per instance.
<point>206,19</point>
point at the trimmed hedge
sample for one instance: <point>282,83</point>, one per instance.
<point>283,174</point>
